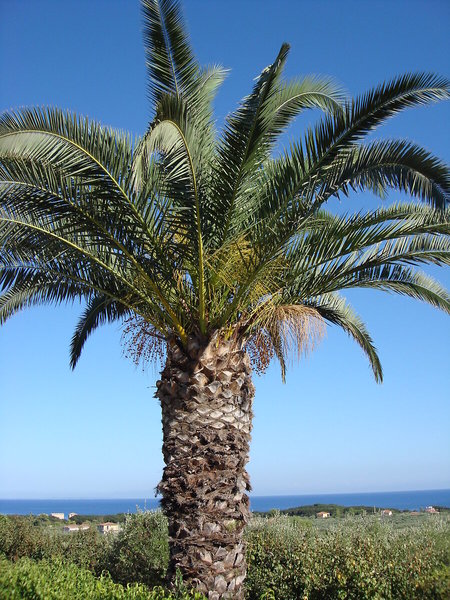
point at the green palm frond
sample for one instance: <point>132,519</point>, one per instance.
<point>77,150</point>
<point>294,96</point>
<point>401,280</point>
<point>244,144</point>
<point>305,177</point>
<point>171,65</point>
<point>396,164</point>
<point>403,232</point>
<point>99,310</point>
<point>377,167</point>
<point>77,144</point>
<point>369,111</point>
<point>28,287</point>
<point>336,310</point>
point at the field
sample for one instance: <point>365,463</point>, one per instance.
<point>356,557</point>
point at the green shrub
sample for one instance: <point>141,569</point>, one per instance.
<point>140,552</point>
<point>116,518</point>
<point>22,537</point>
<point>58,580</point>
<point>353,559</point>
<point>86,548</point>
<point>19,538</point>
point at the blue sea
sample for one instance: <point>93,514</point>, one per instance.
<point>411,500</point>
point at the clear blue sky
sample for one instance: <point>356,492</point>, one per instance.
<point>96,432</point>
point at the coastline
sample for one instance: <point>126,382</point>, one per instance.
<point>407,500</point>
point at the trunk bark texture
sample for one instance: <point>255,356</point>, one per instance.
<point>206,397</point>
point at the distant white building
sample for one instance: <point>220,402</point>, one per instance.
<point>108,527</point>
<point>73,528</point>
<point>322,515</point>
<point>386,513</point>
<point>72,515</point>
<point>58,516</point>
<point>431,510</point>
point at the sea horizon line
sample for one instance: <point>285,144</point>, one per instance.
<point>259,495</point>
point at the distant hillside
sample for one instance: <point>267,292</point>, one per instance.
<point>116,518</point>
<point>336,510</point>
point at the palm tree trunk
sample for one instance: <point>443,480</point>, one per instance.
<point>206,398</point>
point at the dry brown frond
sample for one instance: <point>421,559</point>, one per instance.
<point>300,328</point>
<point>260,349</point>
<point>142,342</point>
<point>287,331</point>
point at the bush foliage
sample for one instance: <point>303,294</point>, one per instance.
<point>58,580</point>
<point>289,558</point>
<point>140,552</point>
<point>351,559</point>
<point>22,537</point>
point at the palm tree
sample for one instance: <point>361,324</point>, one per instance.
<point>215,253</point>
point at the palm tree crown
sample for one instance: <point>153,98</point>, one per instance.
<point>191,232</point>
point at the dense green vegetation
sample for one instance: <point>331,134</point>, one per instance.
<point>58,580</point>
<point>335,510</point>
<point>118,518</point>
<point>353,558</point>
<point>139,553</point>
<point>290,557</point>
